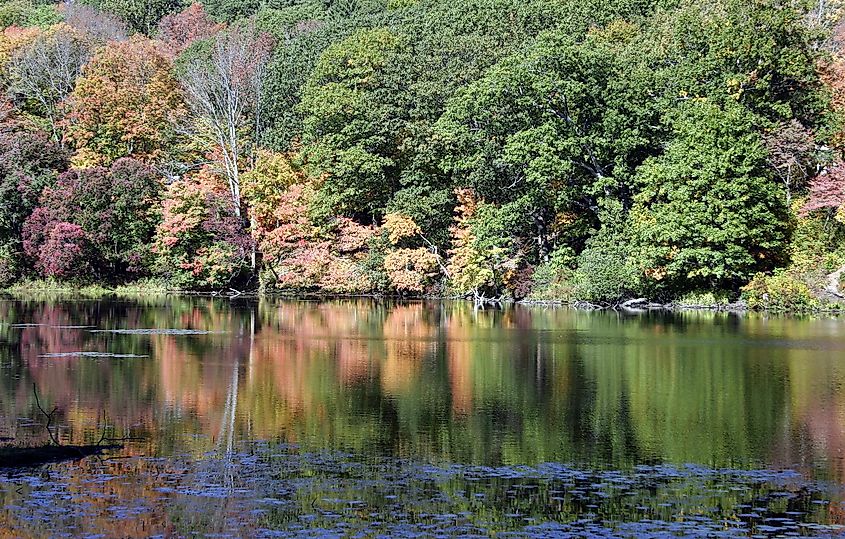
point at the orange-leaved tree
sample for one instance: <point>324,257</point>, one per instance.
<point>124,105</point>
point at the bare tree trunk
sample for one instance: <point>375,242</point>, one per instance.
<point>224,94</point>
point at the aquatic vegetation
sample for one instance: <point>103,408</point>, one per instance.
<point>272,490</point>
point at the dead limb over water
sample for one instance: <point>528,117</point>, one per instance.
<point>25,457</point>
<point>22,457</point>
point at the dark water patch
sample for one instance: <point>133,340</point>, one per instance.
<point>25,457</point>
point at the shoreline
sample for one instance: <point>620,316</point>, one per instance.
<point>631,306</point>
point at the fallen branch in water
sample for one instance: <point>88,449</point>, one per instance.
<point>20,457</point>
<point>48,416</point>
<point>24,457</point>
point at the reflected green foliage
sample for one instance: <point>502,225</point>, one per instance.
<point>340,400</point>
<point>434,381</point>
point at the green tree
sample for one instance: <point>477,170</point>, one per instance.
<point>230,10</point>
<point>287,73</point>
<point>353,123</point>
<point>554,127</point>
<point>141,16</point>
<point>760,54</point>
<point>709,214</point>
<point>28,13</point>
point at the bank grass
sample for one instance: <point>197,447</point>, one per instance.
<point>142,286</point>
<point>705,299</point>
<point>30,287</point>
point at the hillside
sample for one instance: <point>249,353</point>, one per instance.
<point>676,150</point>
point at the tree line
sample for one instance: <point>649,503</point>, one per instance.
<point>544,149</point>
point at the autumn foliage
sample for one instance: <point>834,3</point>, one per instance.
<point>124,105</point>
<point>96,219</point>
<point>200,242</point>
<point>179,30</point>
<point>827,192</point>
<point>492,150</point>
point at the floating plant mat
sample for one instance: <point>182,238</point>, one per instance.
<point>72,327</point>
<point>271,491</point>
<point>92,355</point>
<point>158,331</point>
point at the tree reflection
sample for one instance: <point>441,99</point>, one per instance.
<point>431,380</point>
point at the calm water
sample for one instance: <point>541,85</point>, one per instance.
<point>361,418</point>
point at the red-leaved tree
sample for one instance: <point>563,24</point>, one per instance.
<point>63,255</point>
<point>114,208</point>
<point>178,31</point>
<point>827,191</point>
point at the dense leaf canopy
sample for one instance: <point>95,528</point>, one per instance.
<point>594,149</point>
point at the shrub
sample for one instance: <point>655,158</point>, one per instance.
<point>28,164</point>
<point>9,265</point>
<point>704,298</point>
<point>554,279</point>
<point>779,292</point>
<point>410,270</point>
<point>64,254</point>
<point>59,250</point>
<point>373,263</point>
<point>200,242</point>
<point>344,275</point>
<point>606,271</point>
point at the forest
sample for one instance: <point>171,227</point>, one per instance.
<point>683,151</point>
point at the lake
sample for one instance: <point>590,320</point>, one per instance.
<point>276,418</point>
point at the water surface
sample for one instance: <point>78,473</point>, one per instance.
<point>347,418</point>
